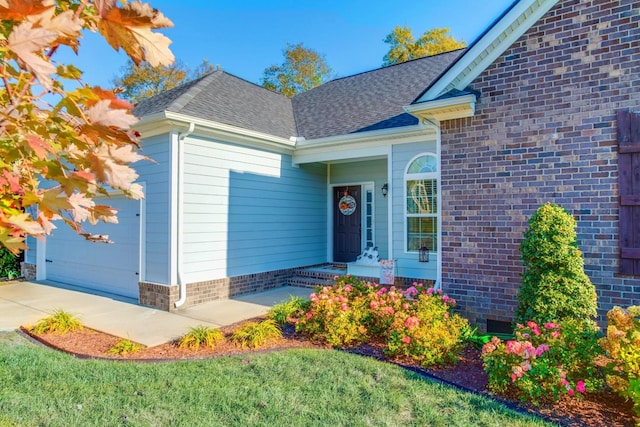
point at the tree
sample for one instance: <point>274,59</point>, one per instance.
<point>60,148</point>
<point>405,48</point>
<point>554,284</point>
<point>303,69</point>
<point>145,81</point>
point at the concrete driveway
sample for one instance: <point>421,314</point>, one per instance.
<point>24,303</point>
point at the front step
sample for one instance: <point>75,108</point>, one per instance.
<point>317,276</point>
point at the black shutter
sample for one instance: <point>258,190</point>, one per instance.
<point>629,187</point>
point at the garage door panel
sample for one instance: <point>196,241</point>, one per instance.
<point>105,267</point>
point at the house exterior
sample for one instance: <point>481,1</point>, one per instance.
<point>248,186</point>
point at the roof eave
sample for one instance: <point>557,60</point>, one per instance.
<point>457,107</point>
<point>165,121</point>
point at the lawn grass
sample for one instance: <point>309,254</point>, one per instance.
<point>39,386</point>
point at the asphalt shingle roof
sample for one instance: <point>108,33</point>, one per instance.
<point>367,101</point>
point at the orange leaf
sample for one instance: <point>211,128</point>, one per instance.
<point>18,10</point>
<point>40,148</point>
<point>130,28</point>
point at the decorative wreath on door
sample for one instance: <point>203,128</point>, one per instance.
<point>347,205</point>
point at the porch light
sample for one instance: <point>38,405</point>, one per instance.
<point>385,189</point>
<point>423,254</point>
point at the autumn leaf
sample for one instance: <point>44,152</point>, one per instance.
<point>129,28</point>
<point>26,223</point>
<point>25,41</point>
<point>80,204</point>
<point>102,114</point>
<point>103,213</point>
<point>40,147</point>
<point>154,45</point>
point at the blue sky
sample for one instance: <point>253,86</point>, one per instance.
<point>246,37</point>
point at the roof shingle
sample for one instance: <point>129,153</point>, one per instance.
<point>368,101</point>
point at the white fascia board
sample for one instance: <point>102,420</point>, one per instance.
<point>493,44</point>
<point>364,145</point>
<point>163,122</point>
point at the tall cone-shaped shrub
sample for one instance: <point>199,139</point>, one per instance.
<point>554,284</point>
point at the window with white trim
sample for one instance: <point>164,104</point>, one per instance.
<point>421,201</point>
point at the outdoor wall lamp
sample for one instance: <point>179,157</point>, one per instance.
<point>385,189</point>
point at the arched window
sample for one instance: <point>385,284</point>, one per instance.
<point>421,200</point>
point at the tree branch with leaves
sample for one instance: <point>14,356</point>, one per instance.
<point>404,47</point>
<point>60,148</point>
<point>303,69</point>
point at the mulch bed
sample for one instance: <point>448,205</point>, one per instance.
<point>601,409</point>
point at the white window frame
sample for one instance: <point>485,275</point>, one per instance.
<point>434,175</point>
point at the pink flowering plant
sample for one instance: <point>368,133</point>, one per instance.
<point>337,313</point>
<point>426,329</point>
<point>544,361</point>
<point>622,347</point>
<point>417,322</point>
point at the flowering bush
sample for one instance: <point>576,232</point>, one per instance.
<point>425,329</point>
<point>416,323</point>
<point>337,313</point>
<point>545,361</point>
<point>622,344</point>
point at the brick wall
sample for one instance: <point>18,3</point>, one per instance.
<point>544,130</point>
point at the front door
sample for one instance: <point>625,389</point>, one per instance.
<point>347,227</point>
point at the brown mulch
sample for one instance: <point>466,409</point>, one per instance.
<point>601,409</point>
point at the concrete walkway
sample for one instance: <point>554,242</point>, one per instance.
<point>24,303</point>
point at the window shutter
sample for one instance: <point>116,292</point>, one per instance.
<point>629,187</point>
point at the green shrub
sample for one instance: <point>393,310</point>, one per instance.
<point>59,322</point>
<point>201,336</point>
<point>125,346</point>
<point>427,330</point>
<point>282,312</point>
<point>543,362</point>
<point>554,284</point>
<point>254,334</point>
<point>622,344</point>
<point>9,264</point>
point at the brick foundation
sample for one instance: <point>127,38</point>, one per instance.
<point>164,297</point>
<point>544,130</point>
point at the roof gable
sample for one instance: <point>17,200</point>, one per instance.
<point>488,47</point>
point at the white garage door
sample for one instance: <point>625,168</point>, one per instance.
<point>110,268</point>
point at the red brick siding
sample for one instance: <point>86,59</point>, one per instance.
<point>544,130</point>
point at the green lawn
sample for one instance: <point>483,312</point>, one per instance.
<point>41,387</point>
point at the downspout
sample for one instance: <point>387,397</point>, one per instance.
<point>180,214</point>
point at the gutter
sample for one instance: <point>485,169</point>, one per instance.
<point>180,213</point>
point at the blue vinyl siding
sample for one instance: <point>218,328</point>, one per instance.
<point>407,263</point>
<point>157,175</point>
<point>369,171</point>
<point>248,210</point>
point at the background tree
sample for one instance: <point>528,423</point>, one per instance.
<point>145,80</point>
<point>554,285</point>
<point>303,69</point>
<point>403,46</point>
<point>59,148</point>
